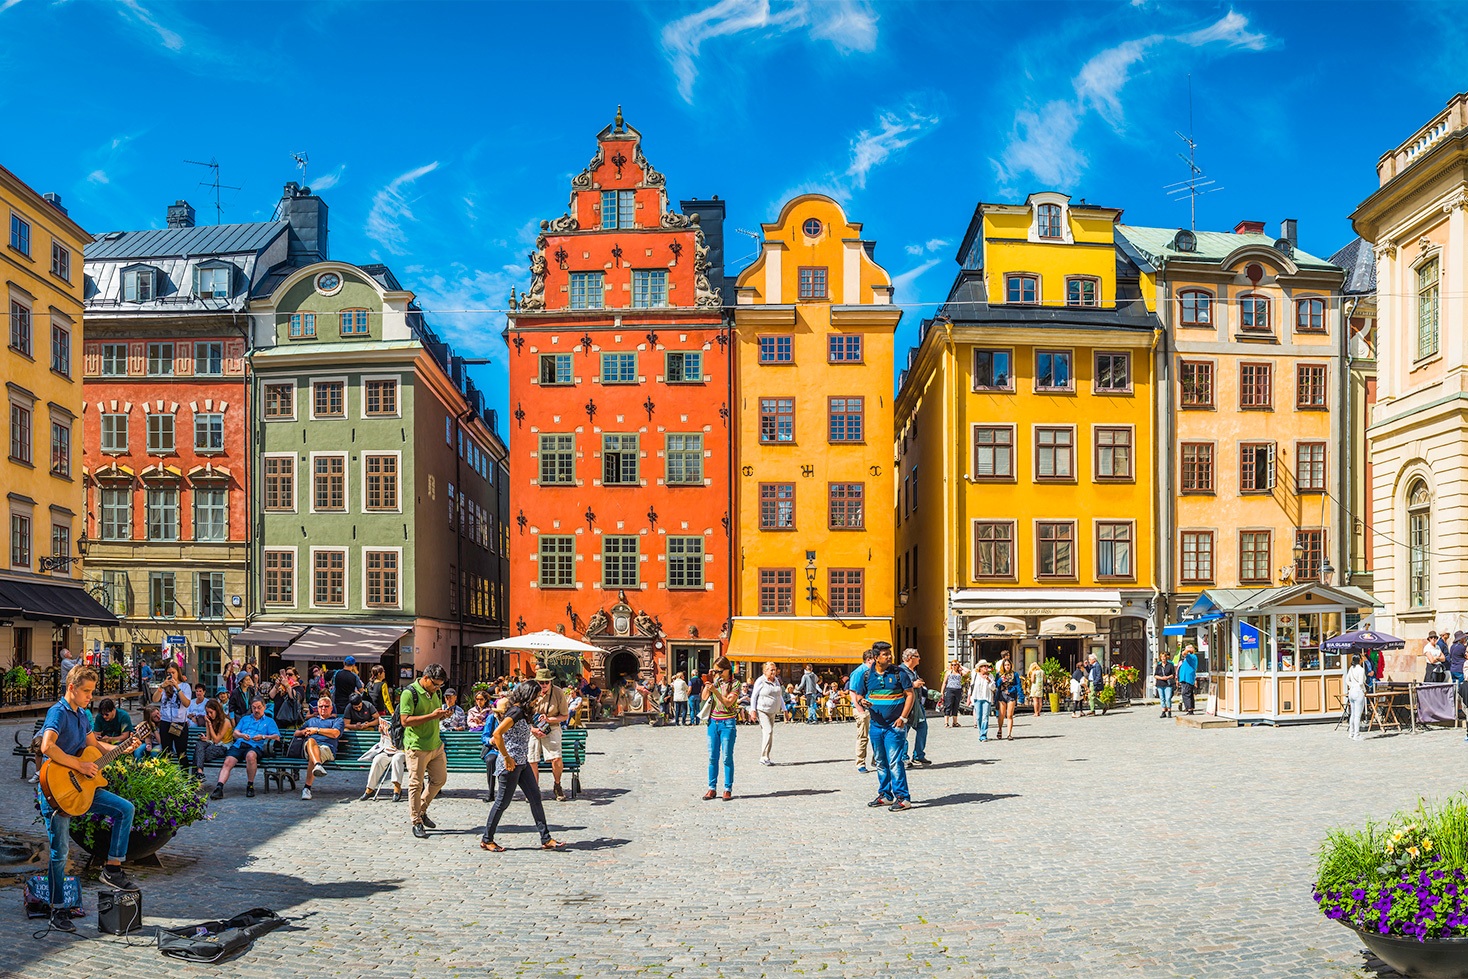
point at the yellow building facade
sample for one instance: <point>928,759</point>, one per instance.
<point>1252,437</point>
<point>41,598</point>
<point>1026,490</point>
<point>813,363</point>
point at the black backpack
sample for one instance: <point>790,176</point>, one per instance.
<point>395,726</point>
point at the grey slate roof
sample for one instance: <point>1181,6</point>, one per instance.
<point>968,303</point>
<point>1359,260</point>
<point>217,239</point>
<point>1155,245</point>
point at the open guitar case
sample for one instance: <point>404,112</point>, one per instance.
<point>215,941</point>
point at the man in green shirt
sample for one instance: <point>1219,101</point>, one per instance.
<point>421,708</point>
<point>112,724</point>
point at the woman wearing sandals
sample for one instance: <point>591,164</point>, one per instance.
<point>1009,692</point>
<point>512,741</point>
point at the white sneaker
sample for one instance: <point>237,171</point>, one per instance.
<point>37,776</point>
<point>318,771</point>
<point>306,793</point>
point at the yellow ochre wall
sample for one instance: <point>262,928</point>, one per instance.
<point>769,306</point>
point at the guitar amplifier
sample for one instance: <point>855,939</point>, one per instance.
<point>119,912</point>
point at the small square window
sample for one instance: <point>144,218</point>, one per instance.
<point>555,369</point>
<point>812,282</point>
<point>620,368</point>
<point>649,288</point>
<point>1052,370</point>
<point>1022,289</point>
<point>209,358</point>
<point>776,350</point>
<point>845,348</point>
<point>685,368</point>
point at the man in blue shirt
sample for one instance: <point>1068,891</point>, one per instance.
<point>1187,676</point>
<point>884,691</point>
<point>321,734</point>
<point>253,732</point>
<point>863,743</point>
<point>65,734</point>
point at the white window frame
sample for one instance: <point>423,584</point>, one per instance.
<point>102,370</point>
<point>200,416</point>
<point>148,433</point>
<point>113,416</point>
<point>195,492</point>
<point>207,358</point>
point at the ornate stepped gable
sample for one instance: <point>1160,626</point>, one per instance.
<point>586,183</point>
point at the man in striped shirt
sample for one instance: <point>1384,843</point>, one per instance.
<point>885,691</point>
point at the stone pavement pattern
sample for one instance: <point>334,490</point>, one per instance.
<point>1119,845</point>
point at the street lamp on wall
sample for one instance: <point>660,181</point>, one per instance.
<point>1327,572</point>
<point>810,576</point>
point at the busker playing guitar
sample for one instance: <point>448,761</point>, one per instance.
<point>65,735</point>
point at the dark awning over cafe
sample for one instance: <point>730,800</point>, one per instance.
<point>51,602</point>
<point>334,643</point>
<point>268,634</point>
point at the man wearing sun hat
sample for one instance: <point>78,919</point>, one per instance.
<point>550,710</point>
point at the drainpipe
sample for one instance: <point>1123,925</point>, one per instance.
<point>1348,456</point>
<point>459,530</point>
<point>732,496</point>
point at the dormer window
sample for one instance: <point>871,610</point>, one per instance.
<point>139,284</point>
<point>1048,216</point>
<point>212,281</point>
<point>1022,289</point>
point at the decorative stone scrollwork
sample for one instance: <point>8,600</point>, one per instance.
<point>675,219</point>
<point>1386,248</point>
<point>561,225</point>
<point>704,294</point>
<point>650,177</point>
<point>645,624</point>
<point>597,624</point>
<point>534,297</point>
<point>582,181</point>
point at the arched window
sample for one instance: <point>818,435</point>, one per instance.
<point>1419,537</point>
<point>1195,308</point>
<point>1049,220</point>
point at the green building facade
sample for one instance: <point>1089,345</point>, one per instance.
<point>378,483</point>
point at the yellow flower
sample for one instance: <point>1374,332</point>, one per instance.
<point>1412,850</point>
<point>1390,848</point>
<point>1427,845</point>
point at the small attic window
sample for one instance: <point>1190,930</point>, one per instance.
<point>212,280</point>
<point>1185,241</point>
<point>1285,247</point>
<point>139,284</point>
<point>1048,216</point>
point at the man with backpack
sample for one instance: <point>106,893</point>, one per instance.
<point>420,708</point>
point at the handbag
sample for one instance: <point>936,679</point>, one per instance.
<point>706,709</point>
<point>176,730</point>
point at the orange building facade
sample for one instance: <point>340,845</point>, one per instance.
<point>620,415</point>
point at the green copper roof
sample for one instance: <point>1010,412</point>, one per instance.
<point>1155,244</point>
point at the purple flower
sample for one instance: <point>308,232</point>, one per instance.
<point>1358,895</point>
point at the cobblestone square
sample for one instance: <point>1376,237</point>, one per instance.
<point>1118,845</point>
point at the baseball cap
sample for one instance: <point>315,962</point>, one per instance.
<point>350,661</point>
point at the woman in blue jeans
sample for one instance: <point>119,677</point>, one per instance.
<point>723,726</point>
<point>1163,678</point>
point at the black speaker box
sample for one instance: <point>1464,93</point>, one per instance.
<point>119,912</point>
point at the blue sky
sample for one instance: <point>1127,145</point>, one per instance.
<point>440,134</point>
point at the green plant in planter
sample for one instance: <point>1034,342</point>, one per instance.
<point>1106,698</point>
<point>114,671</point>
<point>1125,676</point>
<point>164,796</point>
<point>18,677</point>
<point>1056,677</point>
<point>1407,878</point>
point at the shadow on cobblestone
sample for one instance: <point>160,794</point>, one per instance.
<point>600,843</point>
<point>785,794</point>
<point>601,797</point>
<point>965,798</point>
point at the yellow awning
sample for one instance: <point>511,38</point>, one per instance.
<point>805,640</point>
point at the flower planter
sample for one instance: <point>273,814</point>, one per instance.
<point>140,846</point>
<point>1055,703</point>
<point>1432,958</point>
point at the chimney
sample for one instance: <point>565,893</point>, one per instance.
<point>1249,228</point>
<point>306,215</point>
<point>180,215</point>
<point>54,200</point>
<point>711,220</point>
<point>1289,230</point>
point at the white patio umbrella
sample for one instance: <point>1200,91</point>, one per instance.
<point>544,641</point>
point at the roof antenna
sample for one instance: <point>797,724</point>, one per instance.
<point>301,162</point>
<point>1197,183</point>
<point>213,166</point>
<point>758,240</point>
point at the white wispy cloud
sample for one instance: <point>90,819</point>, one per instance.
<point>894,131</point>
<point>458,304</point>
<point>329,180</point>
<point>931,245</point>
<point>98,177</point>
<point>1042,140</point>
<point>140,15</point>
<point>901,283</point>
<point>7,4</point>
<point>848,25</point>
<point>391,207</point>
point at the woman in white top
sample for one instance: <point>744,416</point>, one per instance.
<point>680,700</point>
<point>1356,694</point>
<point>765,701</point>
<point>173,697</point>
<point>981,697</point>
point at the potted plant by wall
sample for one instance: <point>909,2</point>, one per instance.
<point>1402,887</point>
<point>1056,680</point>
<point>165,798</point>
<point>1122,678</point>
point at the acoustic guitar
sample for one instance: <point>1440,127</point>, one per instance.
<point>68,790</point>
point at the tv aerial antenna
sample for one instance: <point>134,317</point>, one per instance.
<point>302,161</point>
<point>1198,183</point>
<point>758,240</point>
<point>213,166</point>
